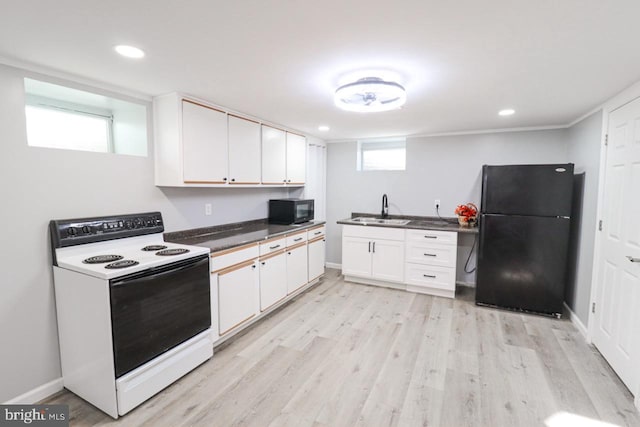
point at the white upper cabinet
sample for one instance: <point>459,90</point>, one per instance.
<point>197,144</point>
<point>296,158</point>
<point>274,156</point>
<point>204,139</point>
<point>244,151</point>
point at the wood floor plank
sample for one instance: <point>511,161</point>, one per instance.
<point>345,354</point>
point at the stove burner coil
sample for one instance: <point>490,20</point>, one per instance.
<point>152,248</point>
<point>122,264</point>
<point>101,259</point>
<point>169,252</point>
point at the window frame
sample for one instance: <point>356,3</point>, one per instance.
<point>380,144</point>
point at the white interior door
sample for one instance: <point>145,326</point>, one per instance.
<point>617,314</point>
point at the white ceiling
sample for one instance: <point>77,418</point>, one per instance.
<point>550,60</point>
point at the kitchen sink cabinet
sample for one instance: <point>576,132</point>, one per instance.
<point>373,253</point>
<point>244,151</point>
<point>273,279</point>
<point>421,261</point>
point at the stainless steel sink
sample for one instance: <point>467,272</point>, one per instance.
<point>384,221</point>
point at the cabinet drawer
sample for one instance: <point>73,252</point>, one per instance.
<point>382,233</point>
<point>233,256</point>
<point>294,239</point>
<point>431,254</point>
<point>316,232</point>
<point>430,276</point>
<point>272,245</point>
<point>433,236</point>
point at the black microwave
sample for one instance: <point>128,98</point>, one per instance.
<point>290,211</point>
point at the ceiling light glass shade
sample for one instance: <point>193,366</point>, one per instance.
<point>506,112</point>
<point>370,94</point>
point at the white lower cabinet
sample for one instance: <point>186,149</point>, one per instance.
<point>296,267</point>
<point>248,281</point>
<point>316,256</point>
<point>273,279</point>
<point>237,286</point>
<point>374,253</point>
<point>416,260</point>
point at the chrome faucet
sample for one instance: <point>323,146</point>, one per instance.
<point>385,206</point>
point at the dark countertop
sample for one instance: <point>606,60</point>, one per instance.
<point>226,236</point>
<point>415,223</point>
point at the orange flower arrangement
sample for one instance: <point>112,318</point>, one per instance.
<point>466,214</point>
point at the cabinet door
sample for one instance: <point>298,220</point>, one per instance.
<point>237,288</point>
<point>244,151</point>
<point>273,156</point>
<point>273,280</point>
<point>316,259</point>
<point>296,158</point>
<point>297,268</point>
<point>388,260</point>
<point>204,144</point>
<point>356,256</point>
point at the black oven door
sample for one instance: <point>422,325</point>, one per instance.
<point>157,309</point>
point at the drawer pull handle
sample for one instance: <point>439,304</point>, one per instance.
<point>430,276</point>
<point>317,232</point>
<point>274,247</point>
<point>430,255</point>
<point>430,237</point>
<point>298,239</point>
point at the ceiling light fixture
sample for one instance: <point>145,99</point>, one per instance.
<point>129,51</point>
<point>506,112</point>
<point>370,94</point>
<point>323,128</point>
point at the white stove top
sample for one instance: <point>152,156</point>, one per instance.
<point>130,248</point>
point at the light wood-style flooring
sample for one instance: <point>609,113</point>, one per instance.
<point>344,354</point>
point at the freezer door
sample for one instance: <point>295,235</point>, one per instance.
<point>522,262</point>
<point>537,190</point>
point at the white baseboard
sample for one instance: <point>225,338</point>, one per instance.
<point>38,393</point>
<point>577,323</point>
<point>333,265</point>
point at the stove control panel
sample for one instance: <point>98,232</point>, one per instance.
<point>70,232</point>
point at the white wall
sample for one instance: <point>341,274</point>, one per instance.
<point>40,184</point>
<point>447,168</point>
<point>584,150</point>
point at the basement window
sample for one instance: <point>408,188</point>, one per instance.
<point>382,155</point>
<point>65,118</point>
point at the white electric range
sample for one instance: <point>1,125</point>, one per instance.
<point>134,311</point>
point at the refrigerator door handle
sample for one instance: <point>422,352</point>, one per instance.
<point>632,259</point>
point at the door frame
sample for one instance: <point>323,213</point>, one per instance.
<point>619,100</point>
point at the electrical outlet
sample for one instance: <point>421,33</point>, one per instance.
<point>437,203</point>
<point>207,208</point>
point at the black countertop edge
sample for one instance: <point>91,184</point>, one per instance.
<point>416,223</point>
<point>227,236</point>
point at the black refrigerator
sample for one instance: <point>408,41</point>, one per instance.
<point>525,218</point>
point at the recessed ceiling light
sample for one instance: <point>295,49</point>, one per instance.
<point>323,128</point>
<point>370,94</point>
<point>506,112</point>
<point>129,51</point>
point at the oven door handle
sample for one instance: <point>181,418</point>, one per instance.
<point>155,272</point>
